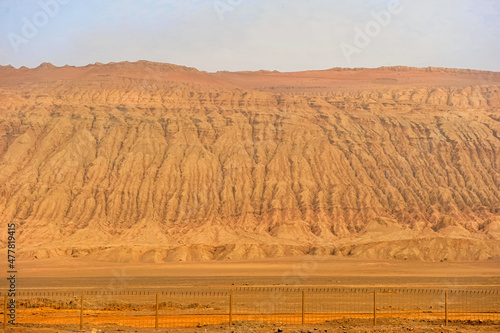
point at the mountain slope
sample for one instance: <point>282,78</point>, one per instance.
<point>156,162</point>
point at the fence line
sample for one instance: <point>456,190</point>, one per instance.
<point>286,305</point>
<point>259,289</point>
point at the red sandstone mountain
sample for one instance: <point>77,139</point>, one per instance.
<point>156,162</point>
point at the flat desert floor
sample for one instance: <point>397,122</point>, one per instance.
<point>316,271</point>
<point>305,271</point>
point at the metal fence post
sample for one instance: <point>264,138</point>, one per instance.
<point>303,306</point>
<point>230,308</point>
<point>81,313</point>
<point>446,308</point>
<point>374,308</point>
<point>156,317</point>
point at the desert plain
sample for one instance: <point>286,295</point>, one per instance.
<point>151,176</point>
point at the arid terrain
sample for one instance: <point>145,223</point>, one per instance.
<point>120,297</point>
<point>151,163</point>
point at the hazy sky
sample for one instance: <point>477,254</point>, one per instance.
<point>285,35</point>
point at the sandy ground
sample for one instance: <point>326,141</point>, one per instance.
<point>310,265</point>
<point>80,275</point>
<point>347,327</point>
<point>310,270</point>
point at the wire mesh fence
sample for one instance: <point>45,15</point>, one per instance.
<point>49,308</point>
<point>193,308</point>
<point>190,308</point>
<point>279,305</point>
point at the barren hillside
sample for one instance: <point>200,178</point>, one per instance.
<point>155,162</point>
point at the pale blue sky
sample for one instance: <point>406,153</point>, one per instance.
<point>285,35</point>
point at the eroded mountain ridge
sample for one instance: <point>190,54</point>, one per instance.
<point>154,162</point>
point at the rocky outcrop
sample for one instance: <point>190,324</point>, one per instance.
<point>155,162</point>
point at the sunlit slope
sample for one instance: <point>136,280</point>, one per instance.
<point>150,162</point>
